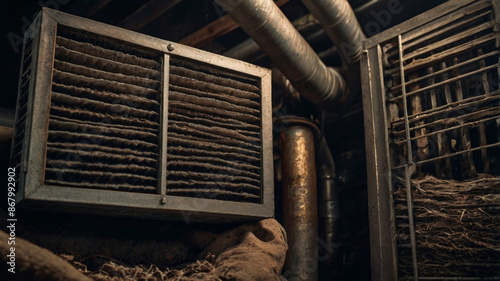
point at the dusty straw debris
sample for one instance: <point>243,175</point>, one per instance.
<point>457,226</point>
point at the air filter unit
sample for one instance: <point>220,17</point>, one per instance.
<point>110,121</point>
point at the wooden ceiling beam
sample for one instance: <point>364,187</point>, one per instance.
<point>215,29</point>
<point>147,13</point>
<point>96,7</point>
<point>86,8</point>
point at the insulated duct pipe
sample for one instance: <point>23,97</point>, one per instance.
<point>340,24</point>
<point>249,51</point>
<point>288,50</point>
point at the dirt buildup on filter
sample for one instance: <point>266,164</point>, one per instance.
<point>457,226</point>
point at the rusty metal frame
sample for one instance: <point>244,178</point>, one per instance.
<point>380,177</point>
<point>380,201</point>
<point>35,194</point>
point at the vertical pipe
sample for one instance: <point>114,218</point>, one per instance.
<point>300,202</point>
<point>328,212</point>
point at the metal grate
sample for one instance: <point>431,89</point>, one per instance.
<point>214,148</point>
<point>450,96</point>
<point>438,144</point>
<point>127,124</point>
<point>104,115</point>
<point>25,82</point>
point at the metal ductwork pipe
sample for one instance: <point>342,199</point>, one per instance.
<point>249,51</point>
<point>340,24</point>
<point>288,50</point>
<point>300,213</point>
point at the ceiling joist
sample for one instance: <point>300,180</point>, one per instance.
<point>215,29</point>
<point>147,13</point>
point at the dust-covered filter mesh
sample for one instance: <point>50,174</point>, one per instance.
<point>214,143</point>
<point>104,117</point>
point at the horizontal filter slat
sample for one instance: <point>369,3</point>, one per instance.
<point>122,98</point>
<point>223,105</point>
<point>102,84</point>
<point>87,146</point>
<point>177,139</point>
<point>98,155</point>
<point>211,137</point>
<point>226,143</point>
<point>108,186</point>
<point>211,167</point>
<point>105,123</point>
<point>205,77</point>
<point>88,166</point>
<point>75,57</point>
<point>231,99</point>
<point>216,130</point>
<point>104,177</point>
<point>220,161</point>
<point>190,175</point>
<point>109,76</point>
<point>99,106</point>
<point>214,70</point>
<point>99,117</point>
<point>209,87</point>
<point>105,140</point>
<point>213,113</point>
<point>196,117</point>
<point>102,130</point>
<point>183,150</point>
<point>207,191</point>
<point>108,54</point>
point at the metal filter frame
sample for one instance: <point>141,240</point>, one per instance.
<point>33,193</point>
<point>381,178</point>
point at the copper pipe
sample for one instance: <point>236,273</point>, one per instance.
<point>300,201</point>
